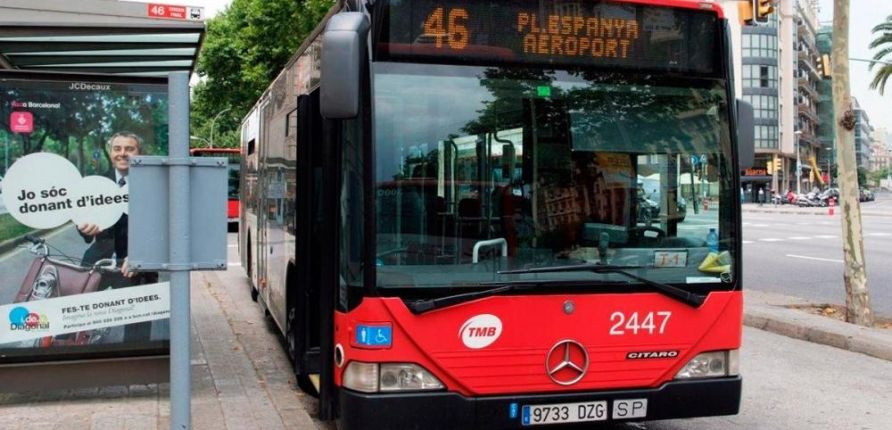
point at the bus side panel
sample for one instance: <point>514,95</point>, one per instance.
<point>248,195</point>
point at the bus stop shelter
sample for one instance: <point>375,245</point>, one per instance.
<point>103,37</point>
<point>99,36</point>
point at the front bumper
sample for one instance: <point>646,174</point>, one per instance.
<point>446,410</point>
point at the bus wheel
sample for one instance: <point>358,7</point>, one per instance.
<point>254,294</point>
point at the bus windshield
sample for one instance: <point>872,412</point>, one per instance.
<point>486,169</point>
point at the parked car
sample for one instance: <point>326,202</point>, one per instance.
<point>649,207</point>
<point>866,195</point>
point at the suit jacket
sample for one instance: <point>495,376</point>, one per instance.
<point>113,241</point>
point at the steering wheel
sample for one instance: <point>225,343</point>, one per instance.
<point>641,236</point>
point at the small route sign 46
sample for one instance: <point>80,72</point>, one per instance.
<point>168,11</point>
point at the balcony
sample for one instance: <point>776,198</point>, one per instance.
<point>806,85</point>
<point>808,112</point>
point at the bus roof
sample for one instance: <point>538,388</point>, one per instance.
<point>211,151</point>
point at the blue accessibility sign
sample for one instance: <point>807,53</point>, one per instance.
<point>379,336</point>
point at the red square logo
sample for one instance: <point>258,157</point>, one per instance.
<point>21,122</point>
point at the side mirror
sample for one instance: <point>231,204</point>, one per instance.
<point>746,145</point>
<point>343,54</point>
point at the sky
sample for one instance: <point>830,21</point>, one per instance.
<point>863,16</point>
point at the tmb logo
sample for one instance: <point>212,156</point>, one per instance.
<point>480,331</point>
<point>22,319</point>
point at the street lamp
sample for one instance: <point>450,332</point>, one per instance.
<point>214,122</point>
<point>201,139</point>
<point>798,133</point>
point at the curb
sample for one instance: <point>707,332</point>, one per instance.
<point>801,325</point>
<point>824,213</point>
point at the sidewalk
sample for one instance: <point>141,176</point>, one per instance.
<point>770,312</point>
<point>768,208</point>
<point>241,377</point>
<point>243,380</point>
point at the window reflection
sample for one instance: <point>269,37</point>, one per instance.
<point>551,166</point>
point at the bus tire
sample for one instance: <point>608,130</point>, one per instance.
<point>255,293</point>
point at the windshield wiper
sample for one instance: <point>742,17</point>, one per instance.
<point>686,297</point>
<point>422,306</point>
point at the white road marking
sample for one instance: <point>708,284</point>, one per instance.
<point>747,242</point>
<point>771,239</point>
<point>800,238</point>
<point>234,245</point>
<point>234,264</point>
<point>825,236</point>
<point>805,257</point>
<point>878,234</point>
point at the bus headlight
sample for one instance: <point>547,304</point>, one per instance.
<point>711,365</point>
<point>407,376</point>
<point>389,377</point>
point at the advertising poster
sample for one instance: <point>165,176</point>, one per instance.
<point>65,144</point>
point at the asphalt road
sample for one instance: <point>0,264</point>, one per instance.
<point>801,255</point>
<point>14,263</point>
<point>792,384</point>
<point>788,384</point>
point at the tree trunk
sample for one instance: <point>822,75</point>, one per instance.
<point>855,276</point>
<point>80,155</point>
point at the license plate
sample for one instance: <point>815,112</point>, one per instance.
<point>629,408</point>
<point>564,413</point>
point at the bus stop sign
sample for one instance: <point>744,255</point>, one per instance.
<point>148,246</point>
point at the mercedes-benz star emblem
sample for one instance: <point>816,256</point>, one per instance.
<point>566,362</point>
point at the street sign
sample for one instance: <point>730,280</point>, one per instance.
<point>167,11</point>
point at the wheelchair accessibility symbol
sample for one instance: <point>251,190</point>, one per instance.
<point>374,335</point>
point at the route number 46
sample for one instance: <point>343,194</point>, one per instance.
<point>454,32</point>
<point>648,324</point>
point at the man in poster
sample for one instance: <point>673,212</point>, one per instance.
<point>112,242</point>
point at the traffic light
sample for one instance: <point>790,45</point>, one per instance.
<point>762,8</point>
<point>777,164</point>
<point>770,166</point>
<point>824,66</point>
<point>745,12</point>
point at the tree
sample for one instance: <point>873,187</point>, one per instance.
<point>878,175</point>
<point>245,48</point>
<point>883,40</point>
<point>855,276</point>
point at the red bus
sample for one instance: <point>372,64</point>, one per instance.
<point>234,156</point>
<point>441,212</point>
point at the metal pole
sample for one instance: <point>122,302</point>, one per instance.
<point>798,166</point>
<point>180,334</point>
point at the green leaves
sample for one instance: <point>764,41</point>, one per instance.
<point>245,48</point>
<point>882,40</point>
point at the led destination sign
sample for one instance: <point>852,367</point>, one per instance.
<point>555,32</point>
<point>573,35</point>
